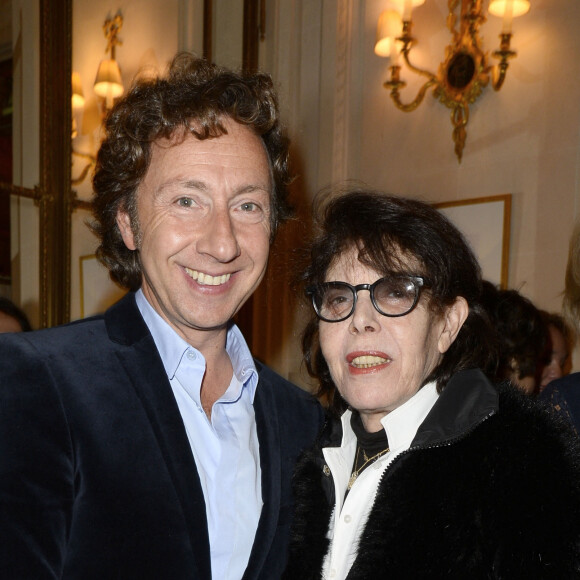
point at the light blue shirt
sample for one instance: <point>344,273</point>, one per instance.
<point>225,449</point>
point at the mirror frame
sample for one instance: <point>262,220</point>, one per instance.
<point>56,201</point>
<point>253,31</point>
<point>53,194</point>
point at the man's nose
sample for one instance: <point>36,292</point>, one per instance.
<point>219,239</point>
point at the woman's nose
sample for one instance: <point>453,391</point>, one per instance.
<point>365,315</point>
<point>555,371</point>
<point>219,239</point>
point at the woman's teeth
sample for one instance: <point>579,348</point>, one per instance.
<point>206,279</point>
<point>366,361</point>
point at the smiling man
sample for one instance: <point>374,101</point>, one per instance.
<point>147,442</point>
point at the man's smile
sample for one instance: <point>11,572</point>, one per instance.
<point>207,279</point>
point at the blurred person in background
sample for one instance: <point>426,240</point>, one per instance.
<point>521,334</point>
<point>563,394</point>
<point>558,359</point>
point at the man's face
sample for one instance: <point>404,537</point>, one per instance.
<point>203,229</point>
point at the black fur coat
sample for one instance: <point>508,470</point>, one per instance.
<point>490,489</point>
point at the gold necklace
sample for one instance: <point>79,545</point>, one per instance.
<point>367,460</point>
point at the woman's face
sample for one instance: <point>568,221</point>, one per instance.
<point>558,354</point>
<point>378,363</point>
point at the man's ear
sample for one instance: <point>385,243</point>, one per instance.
<point>454,317</point>
<point>124,223</point>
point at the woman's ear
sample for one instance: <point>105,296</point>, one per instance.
<point>453,318</point>
<point>124,224</point>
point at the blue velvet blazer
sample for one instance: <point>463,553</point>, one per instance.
<point>97,478</point>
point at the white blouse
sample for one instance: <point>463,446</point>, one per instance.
<point>349,517</point>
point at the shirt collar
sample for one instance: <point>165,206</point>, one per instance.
<point>172,347</point>
<point>401,424</point>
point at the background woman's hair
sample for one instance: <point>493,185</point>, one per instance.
<point>571,302</point>
<point>521,332</point>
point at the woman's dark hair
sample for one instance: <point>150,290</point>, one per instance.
<point>521,332</point>
<point>195,98</point>
<point>561,325</point>
<point>391,233</point>
<point>10,309</point>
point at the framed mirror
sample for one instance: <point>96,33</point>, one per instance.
<point>39,190</point>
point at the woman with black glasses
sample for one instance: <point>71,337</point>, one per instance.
<point>425,468</point>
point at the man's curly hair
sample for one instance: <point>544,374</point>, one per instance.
<point>194,98</point>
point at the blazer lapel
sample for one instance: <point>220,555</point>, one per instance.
<point>144,368</point>
<point>266,414</point>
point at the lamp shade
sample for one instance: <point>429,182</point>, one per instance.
<point>388,28</point>
<point>108,83</point>
<point>400,4</point>
<point>78,99</point>
<point>500,7</point>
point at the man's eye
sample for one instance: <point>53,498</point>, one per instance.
<point>249,206</point>
<point>185,202</point>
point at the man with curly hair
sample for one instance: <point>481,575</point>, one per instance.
<point>147,442</point>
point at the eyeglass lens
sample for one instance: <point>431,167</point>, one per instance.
<point>391,297</point>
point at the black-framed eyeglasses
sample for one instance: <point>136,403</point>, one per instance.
<point>394,295</point>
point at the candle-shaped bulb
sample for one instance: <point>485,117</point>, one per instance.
<point>508,17</point>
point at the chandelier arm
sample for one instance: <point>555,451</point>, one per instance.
<point>415,69</point>
<point>498,72</point>
<point>409,107</point>
<point>78,180</point>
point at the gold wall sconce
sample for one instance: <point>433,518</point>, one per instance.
<point>78,105</point>
<point>466,69</point>
<point>108,82</point>
<point>108,86</point>
<point>77,100</point>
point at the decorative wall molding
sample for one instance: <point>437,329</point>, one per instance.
<point>341,103</point>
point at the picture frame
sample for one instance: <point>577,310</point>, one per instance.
<point>98,291</point>
<point>486,224</point>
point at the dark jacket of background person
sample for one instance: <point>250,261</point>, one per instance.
<point>453,505</point>
<point>563,395</point>
<point>108,486</point>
